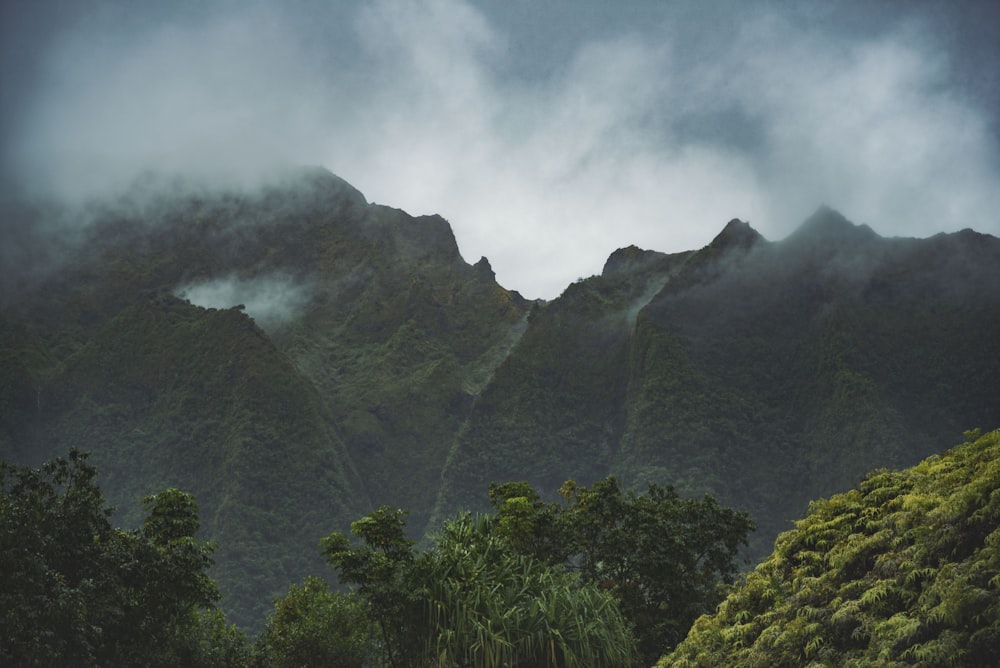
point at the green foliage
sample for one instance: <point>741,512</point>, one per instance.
<point>279,426</point>
<point>312,626</point>
<point>176,574</point>
<point>209,642</point>
<point>663,558</point>
<point>55,535</point>
<point>529,525</point>
<point>491,606</point>
<point>765,376</point>
<point>382,570</point>
<point>74,591</point>
<point>173,395</point>
<point>472,600</point>
<point>555,407</point>
<point>903,569</point>
<point>543,584</point>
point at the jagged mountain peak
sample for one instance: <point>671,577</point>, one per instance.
<point>630,258</point>
<point>736,234</point>
<point>484,269</point>
<point>322,180</point>
<point>828,226</point>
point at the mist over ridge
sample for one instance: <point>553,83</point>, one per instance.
<point>546,136</point>
<point>42,231</point>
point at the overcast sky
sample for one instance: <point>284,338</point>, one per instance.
<point>548,133</point>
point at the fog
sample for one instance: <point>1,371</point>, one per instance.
<point>548,134</point>
<point>270,300</point>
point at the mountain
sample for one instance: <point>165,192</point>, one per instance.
<point>903,568</point>
<point>370,337</point>
<point>764,373</point>
<point>556,407</point>
<point>296,356</point>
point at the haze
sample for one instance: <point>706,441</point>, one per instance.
<point>547,133</point>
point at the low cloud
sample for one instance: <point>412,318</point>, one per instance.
<point>871,127</point>
<point>270,300</point>
<point>218,101</point>
<point>651,132</point>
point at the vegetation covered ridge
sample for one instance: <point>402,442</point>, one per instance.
<point>903,569</point>
<point>295,356</point>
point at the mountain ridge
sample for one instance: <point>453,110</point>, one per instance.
<point>766,373</point>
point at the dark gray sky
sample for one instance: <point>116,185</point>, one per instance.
<point>549,133</point>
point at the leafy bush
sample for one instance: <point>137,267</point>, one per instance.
<point>903,569</point>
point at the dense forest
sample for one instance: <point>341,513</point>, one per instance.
<point>605,578</point>
<point>296,357</point>
<point>904,568</point>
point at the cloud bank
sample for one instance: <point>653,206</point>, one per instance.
<point>546,149</point>
<point>270,300</point>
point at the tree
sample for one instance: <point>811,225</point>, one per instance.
<point>474,601</point>
<point>600,579</point>
<point>164,573</point>
<point>663,557</point>
<point>75,591</point>
<point>53,524</point>
<point>489,605</point>
<point>531,525</point>
<point>381,568</point>
<point>312,626</point>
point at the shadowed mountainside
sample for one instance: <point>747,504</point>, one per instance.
<point>295,356</point>
<point>371,336</point>
<point>764,373</point>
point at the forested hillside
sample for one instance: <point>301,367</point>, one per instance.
<point>369,335</point>
<point>296,356</point>
<point>902,569</point>
<point>765,373</point>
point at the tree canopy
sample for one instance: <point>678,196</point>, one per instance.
<point>663,557</point>
<point>603,578</point>
<point>471,600</point>
<point>75,591</point>
<point>903,569</point>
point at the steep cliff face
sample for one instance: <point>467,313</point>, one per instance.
<point>399,340</point>
<point>167,394</point>
<point>809,362</point>
<point>292,355</point>
<point>295,356</point>
<point>765,373</point>
<point>555,409</point>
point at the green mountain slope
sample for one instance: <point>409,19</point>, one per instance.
<point>401,352</point>
<point>368,337</point>
<point>370,364</point>
<point>167,394</point>
<point>903,569</point>
<point>764,373</point>
<point>171,395</point>
<point>805,363</point>
<point>555,409</point>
